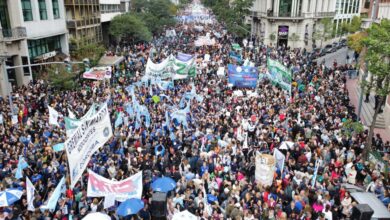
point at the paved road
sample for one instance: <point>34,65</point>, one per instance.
<point>340,55</point>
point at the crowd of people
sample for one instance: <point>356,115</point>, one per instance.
<point>208,157</point>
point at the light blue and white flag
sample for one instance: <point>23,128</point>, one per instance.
<point>51,203</point>
<point>30,195</point>
<point>119,120</point>
<point>22,164</point>
<point>59,147</point>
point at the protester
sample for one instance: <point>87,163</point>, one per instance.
<point>209,156</point>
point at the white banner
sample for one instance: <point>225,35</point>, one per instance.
<point>265,168</point>
<point>204,40</point>
<point>30,195</point>
<point>158,69</point>
<point>221,71</point>
<point>98,73</point>
<point>109,201</point>
<point>53,116</point>
<point>92,134</point>
<point>99,186</point>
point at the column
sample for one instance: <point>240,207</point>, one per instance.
<point>299,13</point>
<point>293,10</point>
<point>49,10</point>
<point>276,7</point>
<point>35,10</point>
<point>304,6</point>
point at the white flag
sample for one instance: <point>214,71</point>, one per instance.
<point>109,201</point>
<point>30,195</point>
<point>53,116</point>
<point>71,114</point>
<point>280,158</point>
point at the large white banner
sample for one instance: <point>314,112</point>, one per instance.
<point>159,69</point>
<point>204,40</point>
<point>98,73</point>
<point>265,168</point>
<point>92,134</point>
<point>99,186</point>
<point>171,68</point>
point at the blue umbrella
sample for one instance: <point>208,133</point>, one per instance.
<point>9,196</point>
<point>211,198</point>
<point>130,207</point>
<point>163,184</point>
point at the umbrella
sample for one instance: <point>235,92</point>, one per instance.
<point>130,207</point>
<point>163,184</point>
<point>9,196</point>
<point>286,145</point>
<point>211,198</point>
<point>97,216</point>
<point>184,215</point>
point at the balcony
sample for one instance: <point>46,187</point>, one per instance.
<point>14,34</point>
<point>91,21</point>
<point>81,2</point>
<point>278,16</point>
<point>324,14</point>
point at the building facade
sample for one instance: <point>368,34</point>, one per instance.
<point>33,31</point>
<point>83,21</point>
<point>345,11</point>
<point>289,22</point>
<point>108,10</point>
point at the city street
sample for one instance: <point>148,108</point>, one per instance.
<point>340,56</point>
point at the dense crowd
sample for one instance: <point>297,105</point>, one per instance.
<point>209,156</point>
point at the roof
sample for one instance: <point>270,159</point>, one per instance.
<point>110,60</point>
<point>380,211</point>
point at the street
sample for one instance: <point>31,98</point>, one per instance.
<point>340,56</point>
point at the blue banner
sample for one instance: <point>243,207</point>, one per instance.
<point>235,56</point>
<point>243,76</point>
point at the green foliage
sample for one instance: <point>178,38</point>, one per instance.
<point>129,26</point>
<point>351,128</point>
<point>61,79</point>
<point>155,14</point>
<point>294,38</point>
<point>91,51</point>
<point>378,56</point>
<point>355,25</point>
<point>324,30</point>
<point>232,14</point>
<point>272,37</point>
<point>355,41</point>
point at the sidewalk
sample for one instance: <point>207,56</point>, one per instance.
<point>352,85</point>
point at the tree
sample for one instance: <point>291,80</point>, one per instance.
<point>323,31</point>
<point>128,26</point>
<point>155,13</point>
<point>294,38</point>
<point>59,78</point>
<point>355,41</point>
<point>354,25</point>
<point>92,51</point>
<point>378,60</point>
<point>352,128</point>
<point>232,14</point>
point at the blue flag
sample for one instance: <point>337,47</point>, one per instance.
<point>59,147</point>
<point>22,164</point>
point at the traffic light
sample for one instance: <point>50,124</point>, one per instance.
<point>68,64</point>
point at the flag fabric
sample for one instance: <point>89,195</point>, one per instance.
<point>280,158</point>
<point>53,116</point>
<point>59,147</point>
<point>109,201</point>
<point>22,164</point>
<point>313,181</point>
<point>71,114</point>
<point>51,203</point>
<point>279,74</point>
<point>30,195</point>
<point>119,120</point>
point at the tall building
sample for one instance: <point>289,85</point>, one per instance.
<point>345,11</point>
<point>378,9</point>
<point>83,21</point>
<point>108,10</point>
<point>32,31</point>
<point>289,22</point>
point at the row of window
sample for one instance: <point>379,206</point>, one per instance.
<point>347,6</point>
<point>44,45</point>
<point>28,14</point>
<point>104,8</point>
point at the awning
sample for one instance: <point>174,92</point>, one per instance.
<point>110,60</point>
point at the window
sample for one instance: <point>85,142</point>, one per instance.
<point>26,70</point>
<point>56,9</point>
<point>285,8</point>
<point>44,45</point>
<point>42,9</point>
<point>27,10</point>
